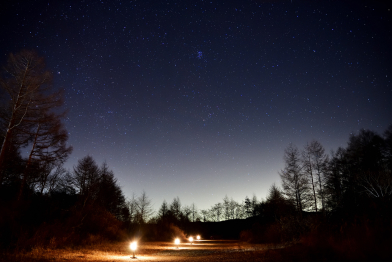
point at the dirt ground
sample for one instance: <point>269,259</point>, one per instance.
<point>203,250</point>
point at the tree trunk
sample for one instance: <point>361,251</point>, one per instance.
<point>314,190</point>
<point>26,172</point>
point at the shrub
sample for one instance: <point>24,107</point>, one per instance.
<point>167,232</point>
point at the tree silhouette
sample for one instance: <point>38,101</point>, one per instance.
<point>217,211</point>
<point>254,204</point>
<point>234,209</point>
<point>276,206</point>
<point>294,182</point>
<point>308,169</point>
<point>315,165</point>
<point>50,178</point>
<point>336,179</point>
<point>226,207</point>
<point>109,194</point>
<point>48,144</point>
<point>28,85</point>
<point>163,210</point>
<point>143,208</point>
<point>186,213</point>
<point>132,209</point>
<point>387,148</point>
<point>86,178</point>
<point>175,208</point>
<point>194,212</point>
<point>248,207</point>
<point>360,173</point>
<point>205,215</point>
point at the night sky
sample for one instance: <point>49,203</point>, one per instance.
<point>199,99</point>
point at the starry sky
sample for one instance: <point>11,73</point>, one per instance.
<point>198,99</point>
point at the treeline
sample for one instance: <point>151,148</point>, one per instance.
<point>313,181</point>
<point>41,203</point>
<point>226,210</point>
<point>344,197</point>
<point>332,207</point>
<point>346,181</point>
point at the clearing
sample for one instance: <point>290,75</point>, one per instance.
<point>202,250</point>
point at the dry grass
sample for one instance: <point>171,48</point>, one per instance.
<point>150,251</point>
<point>103,252</point>
<point>310,248</point>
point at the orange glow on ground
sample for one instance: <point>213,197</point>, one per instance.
<point>205,250</point>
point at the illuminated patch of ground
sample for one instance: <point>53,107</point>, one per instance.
<point>150,251</point>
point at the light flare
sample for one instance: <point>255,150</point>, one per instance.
<point>133,247</point>
<point>177,241</point>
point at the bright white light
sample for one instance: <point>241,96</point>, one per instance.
<point>198,237</point>
<point>191,239</point>
<point>177,241</point>
<point>133,245</point>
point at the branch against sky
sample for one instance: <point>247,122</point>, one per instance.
<point>144,208</point>
<point>29,116</point>
<point>294,182</point>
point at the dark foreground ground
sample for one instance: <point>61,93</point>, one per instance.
<point>204,250</point>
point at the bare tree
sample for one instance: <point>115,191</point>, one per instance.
<point>28,86</point>
<point>254,204</point>
<point>377,184</point>
<point>239,211</point>
<point>211,216</point>
<point>50,178</point>
<point>205,215</point>
<point>217,211</point>
<point>336,179</point>
<point>226,207</point>
<point>387,148</point>
<point>144,208</point>
<point>132,208</point>
<point>308,169</point>
<point>194,212</point>
<point>320,162</point>
<point>48,144</point>
<point>187,211</point>
<point>294,182</point>
<point>234,209</point>
<point>248,207</point>
<point>49,140</point>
